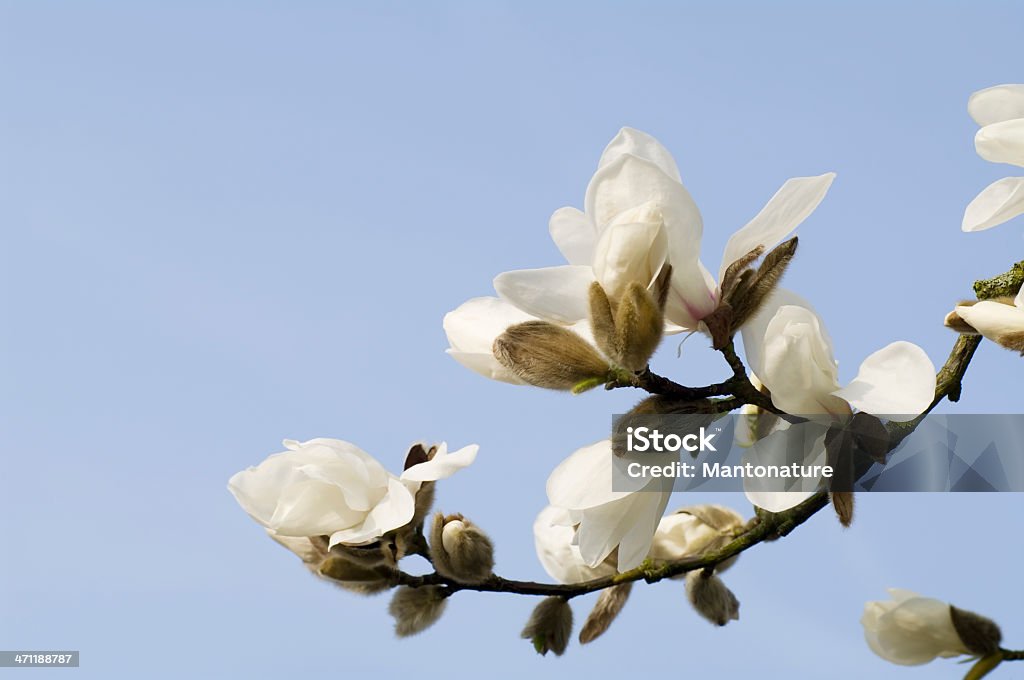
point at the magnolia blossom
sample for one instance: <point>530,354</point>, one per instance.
<point>999,111</point>
<point>332,487</point>
<point>605,518</point>
<point>686,532</point>
<point>637,217</point>
<point>911,630</point>
<point>790,351</point>
<point>998,322</point>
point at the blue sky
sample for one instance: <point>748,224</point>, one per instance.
<point>229,223</point>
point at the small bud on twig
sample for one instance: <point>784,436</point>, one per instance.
<point>460,550</point>
<point>356,578</point>
<point>416,609</point>
<point>550,626</point>
<point>711,598</point>
<point>609,603</point>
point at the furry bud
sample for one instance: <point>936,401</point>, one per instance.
<point>546,355</point>
<point>550,626</point>
<point>842,502</point>
<point>711,598</point>
<point>639,324</point>
<point>460,550</point>
<point>609,603</point>
<point>979,634</point>
<point>356,578</point>
<point>416,609</point>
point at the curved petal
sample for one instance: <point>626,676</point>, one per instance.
<point>574,234</point>
<point>1019,300</point>
<point>487,366</point>
<point>553,293</point>
<point>630,253</point>
<point>790,206</point>
<point>994,319</point>
<point>997,203</point>
<point>628,524</point>
<point>1002,142</point>
<point>442,465</point>
<point>629,182</point>
<point>473,326</point>
<point>996,104</point>
<point>753,331</point>
<point>897,382</point>
<point>394,510</point>
<point>584,479</point>
<point>798,366</point>
<point>553,538</point>
<point>641,145</point>
<point>313,508</point>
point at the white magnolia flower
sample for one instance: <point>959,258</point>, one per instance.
<point>789,350</point>
<point>911,630</point>
<point>607,519</point>
<point>637,216</point>
<point>332,487</point>
<point>998,322</point>
<point>999,111</point>
<point>680,534</point>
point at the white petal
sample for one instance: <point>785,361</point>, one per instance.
<point>798,366</point>
<point>312,508</point>
<point>629,182</point>
<point>643,522</point>
<point>996,104</point>
<point>553,539</point>
<point>754,329</point>
<point>574,234</point>
<point>1002,142</point>
<point>790,206</point>
<point>641,145</point>
<point>628,253</point>
<point>554,293</point>
<point>1019,300</point>
<point>487,366</point>
<point>997,203</point>
<point>628,523</point>
<point>584,479</point>
<point>442,465</point>
<point>994,319</point>
<point>394,510</point>
<point>896,382</point>
<point>474,325</point>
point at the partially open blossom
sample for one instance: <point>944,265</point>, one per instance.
<point>791,353</point>
<point>606,519</point>
<point>637,218</point>
<point>459,549</point>
<point>911,630</point>
<point>999,111</point>
<point>999,322</point>
<point>332,487</point>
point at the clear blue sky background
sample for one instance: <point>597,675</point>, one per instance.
<point>228,223</point>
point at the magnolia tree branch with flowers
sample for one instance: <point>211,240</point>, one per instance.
<point>634,277</point>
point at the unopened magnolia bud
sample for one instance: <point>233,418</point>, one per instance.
<point>602,320</point>
<point>356,578</point>
<point>979,634</point>
<point>384,552</point>
<point>609,603</point>
<point>550,626</point>
<point>547,355</point>
<point>956,322</point>
<point>842,501</point>
<point>760,286</point>
<point>639,325</point>
<point>999,319</point>
<point>460,550</point>
<point>711,598</point>
<point>416,609</point>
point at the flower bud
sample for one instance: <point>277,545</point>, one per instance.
<point>354,577</point>
<point>710,597</point>
<point>842,502</point>
<point>609,603</point>
<point>550,626</point>
<point>416,609</point>
<point>980,635</point>
<point>1001,320</point>
<point>956,322</point>
<point>639,324</point>
<point>550,356</point>
<point>460,550</point>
